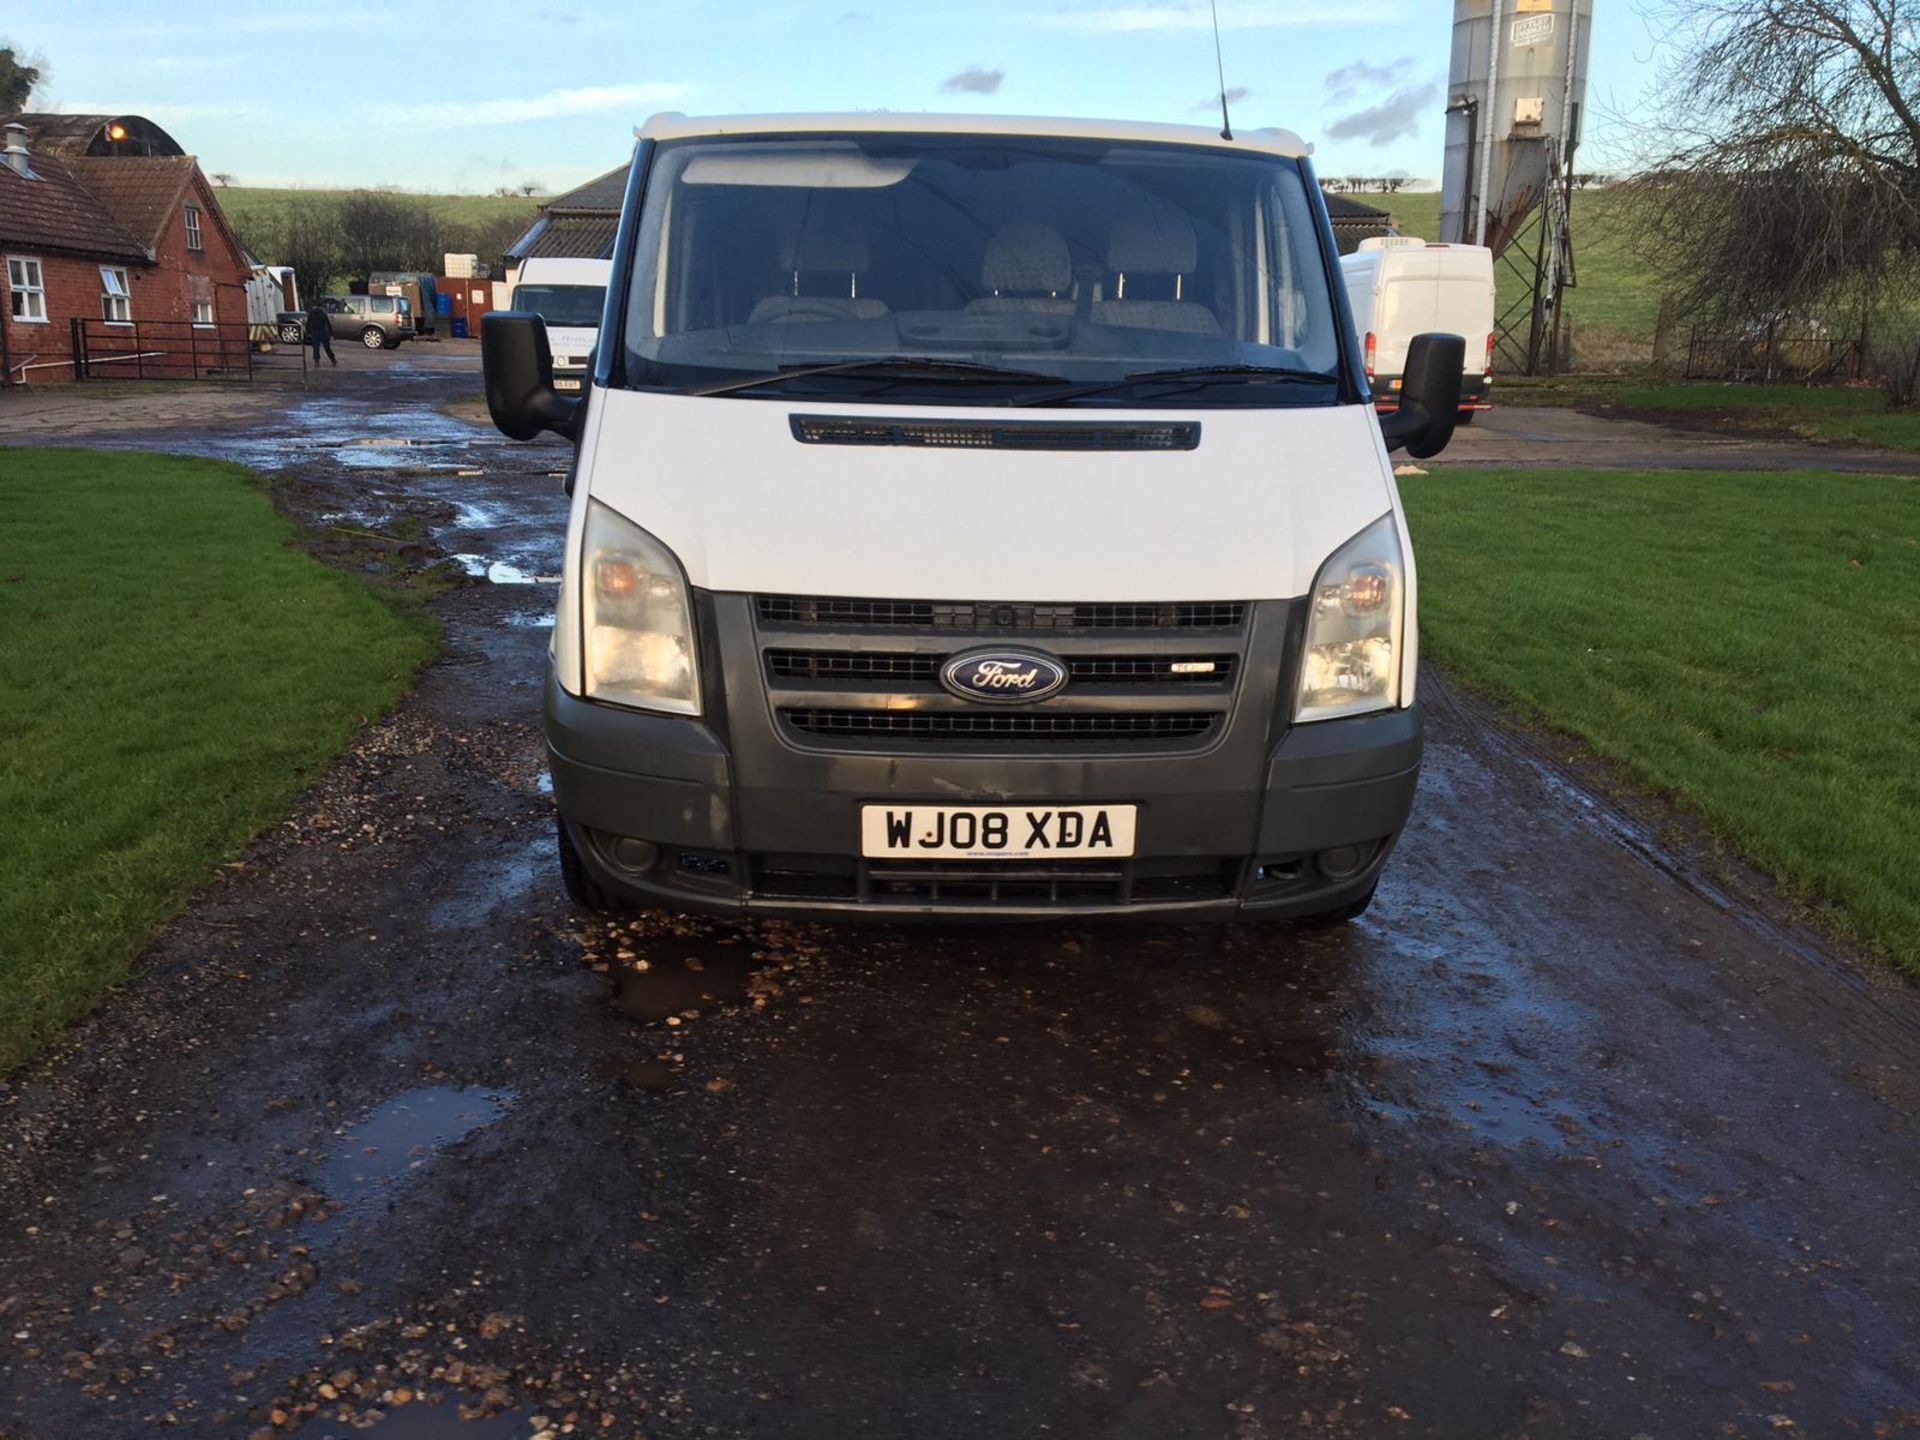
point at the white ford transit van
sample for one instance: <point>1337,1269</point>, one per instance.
<point>1400,287</point>
<point>568,294</point>
<point>978,516</point>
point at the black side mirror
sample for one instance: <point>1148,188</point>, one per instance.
<point>518,364</point>
<point>1429,396</point>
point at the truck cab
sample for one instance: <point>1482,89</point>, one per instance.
<point>568,294</point>
<point>978,517</point>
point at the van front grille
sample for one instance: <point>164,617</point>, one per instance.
<point>907,667</point>
<point>984,727</point>
<point>997,617</point>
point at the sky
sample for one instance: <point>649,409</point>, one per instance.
<point>463,98</point>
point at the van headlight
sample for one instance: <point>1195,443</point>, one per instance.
<point>636,619</point>
<point>1352,661</point>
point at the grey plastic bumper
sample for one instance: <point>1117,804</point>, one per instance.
<point>675,783</point>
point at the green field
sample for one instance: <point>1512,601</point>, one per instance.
<point>1748,644</point>
<point>176,671</point>
<point>1617,298</point>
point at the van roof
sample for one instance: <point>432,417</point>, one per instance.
<point>674,126</point>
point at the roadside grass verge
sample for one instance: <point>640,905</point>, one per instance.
<point>175,671</point>
<point>1840,415</point>
<point>1747,643</point>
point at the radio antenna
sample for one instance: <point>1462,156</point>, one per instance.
<point>1220,65</point>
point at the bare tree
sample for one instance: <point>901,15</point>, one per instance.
<point>382,231</point>
<point>1787,180</point>
<point>223,178</point>
<point>305,234</point>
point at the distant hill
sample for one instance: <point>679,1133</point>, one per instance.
<point>1617,299</point>
<point>245,202</point>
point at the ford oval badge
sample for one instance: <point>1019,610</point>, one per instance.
<point>1006,677</point>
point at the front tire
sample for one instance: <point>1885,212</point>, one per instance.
<point>1465,417</point>
<point>372,338</point>
<point>291,335</point>
<point>585,892</point>
<point>1340,914</point>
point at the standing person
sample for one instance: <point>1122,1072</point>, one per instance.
<point>320,332</point>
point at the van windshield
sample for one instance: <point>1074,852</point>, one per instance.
<point>562,304</point>
<point>1016,266</point>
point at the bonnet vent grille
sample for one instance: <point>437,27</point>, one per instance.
<point>994,435</point>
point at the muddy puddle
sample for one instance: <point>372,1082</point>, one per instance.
<point>684,975</point>
<point>432,1422</point>
<point>499,572</point>
<point>641,1072</point>
<point>402,1135</point>
<point>488,889</point>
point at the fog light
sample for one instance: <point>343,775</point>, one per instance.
<point>632,854</point>
<point>1341,861</point>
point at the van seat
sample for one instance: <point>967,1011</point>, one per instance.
<point>1150,253</point>
<point>1026,270</point>
<point>826,258</point>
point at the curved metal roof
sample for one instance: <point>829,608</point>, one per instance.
<point>77,136</point>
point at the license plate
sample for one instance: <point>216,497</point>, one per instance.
<point>566,382</point>
<point>996,832</point>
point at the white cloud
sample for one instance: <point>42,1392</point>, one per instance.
<point>1234,15</point>
<point>584,100</point>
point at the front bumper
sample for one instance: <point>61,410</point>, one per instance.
<point>751,823</point>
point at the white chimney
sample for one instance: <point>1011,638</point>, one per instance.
<point>14,151</point>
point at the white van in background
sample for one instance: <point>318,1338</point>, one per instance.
<point>567,293</point>
<point>1400,287</point>
<point>978,516</point>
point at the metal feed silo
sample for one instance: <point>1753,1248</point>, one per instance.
<point>1515,94</point>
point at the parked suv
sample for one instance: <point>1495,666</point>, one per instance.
<point>380,322</point>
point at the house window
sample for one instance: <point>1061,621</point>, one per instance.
<point>203,312</point>
<point>193,227</point>
<point>116,299</point>
<point>28,289</point>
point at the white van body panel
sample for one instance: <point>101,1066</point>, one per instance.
<point>1270,140</point>
<point>571,344</point>
<point>1400,288</point>
<point>747,508</point>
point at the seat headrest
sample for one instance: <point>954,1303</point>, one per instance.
<point>1027,257</point>
<point>825,242</point>
<point>1152,240</point>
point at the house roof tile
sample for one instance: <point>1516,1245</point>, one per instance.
<point>142,192</point>
<point>54,211</point>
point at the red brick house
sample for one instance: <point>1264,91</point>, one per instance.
<point>104,220</point>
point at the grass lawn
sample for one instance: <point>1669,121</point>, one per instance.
<point>175,671</point>
<point>1748,643</point>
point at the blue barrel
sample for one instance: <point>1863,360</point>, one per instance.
<point>459,327</point>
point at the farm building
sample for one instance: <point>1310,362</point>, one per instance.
<point>118,258</point>
<point>579,224</point>
<point>1354,222</point>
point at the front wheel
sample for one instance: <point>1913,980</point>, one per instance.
<point>291,335</point>
<point>582,888</point>
<point>372,338</point>
<point>1340,914</point>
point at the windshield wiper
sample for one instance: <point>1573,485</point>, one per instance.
<point>1193,374</point>
<point>886,366</point>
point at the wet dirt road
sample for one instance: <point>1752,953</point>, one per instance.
<point>1563,1139</point>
